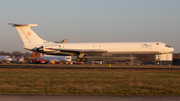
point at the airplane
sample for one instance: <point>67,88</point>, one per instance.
<point>5,58</point>
<point>33,42</point>
<point>62,41</point>
<point>44,58</point>
<point>18,59</point>
<point>55,59</point>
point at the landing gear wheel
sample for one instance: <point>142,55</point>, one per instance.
<point>78,59</point>
<point>84,59</point>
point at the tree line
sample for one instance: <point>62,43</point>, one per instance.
<point>16,54</point>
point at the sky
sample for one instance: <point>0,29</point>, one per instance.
<point>92,21</point>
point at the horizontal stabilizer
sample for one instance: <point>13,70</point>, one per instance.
<point>16,25</point>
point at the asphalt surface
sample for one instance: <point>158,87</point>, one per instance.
<point>47,66</point>
<point>44,97</point>
<point>29,97</point>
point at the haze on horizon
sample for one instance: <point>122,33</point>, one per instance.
<point>92,21</point>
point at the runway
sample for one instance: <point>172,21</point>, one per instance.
<point>47,66</point>
<point>29,97</point>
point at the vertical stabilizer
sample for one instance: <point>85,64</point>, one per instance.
<point>28,36</point>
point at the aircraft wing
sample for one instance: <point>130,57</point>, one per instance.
<point>80,50</point>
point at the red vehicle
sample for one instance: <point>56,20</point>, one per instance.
<point>40,61</point>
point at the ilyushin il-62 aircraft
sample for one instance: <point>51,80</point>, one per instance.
<point>34,43</point>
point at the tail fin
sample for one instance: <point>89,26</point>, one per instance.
<point>23,57</point>
<point>63,40</point>
<point>28,36</point>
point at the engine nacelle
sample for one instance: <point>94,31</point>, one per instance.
<point>44,49</point>
<point>40,49</point>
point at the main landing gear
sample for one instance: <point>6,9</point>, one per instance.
<point>81,58</point>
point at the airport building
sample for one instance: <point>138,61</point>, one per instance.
<point>164,59</point>
<point>148,59</point>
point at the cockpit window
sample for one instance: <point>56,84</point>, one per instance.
<point>168,46</point>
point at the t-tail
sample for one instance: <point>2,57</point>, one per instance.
<point>28,36</point>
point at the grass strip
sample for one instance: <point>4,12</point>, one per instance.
<point>93,81</point>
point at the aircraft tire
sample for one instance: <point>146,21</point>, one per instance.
<point>78,59</point>
<point>84,59</point>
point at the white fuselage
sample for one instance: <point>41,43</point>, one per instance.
<point>109,47</point>
<point>56,58</point>
<point>34,43</point>
<point>5,58</point>
<point>17,60</point>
